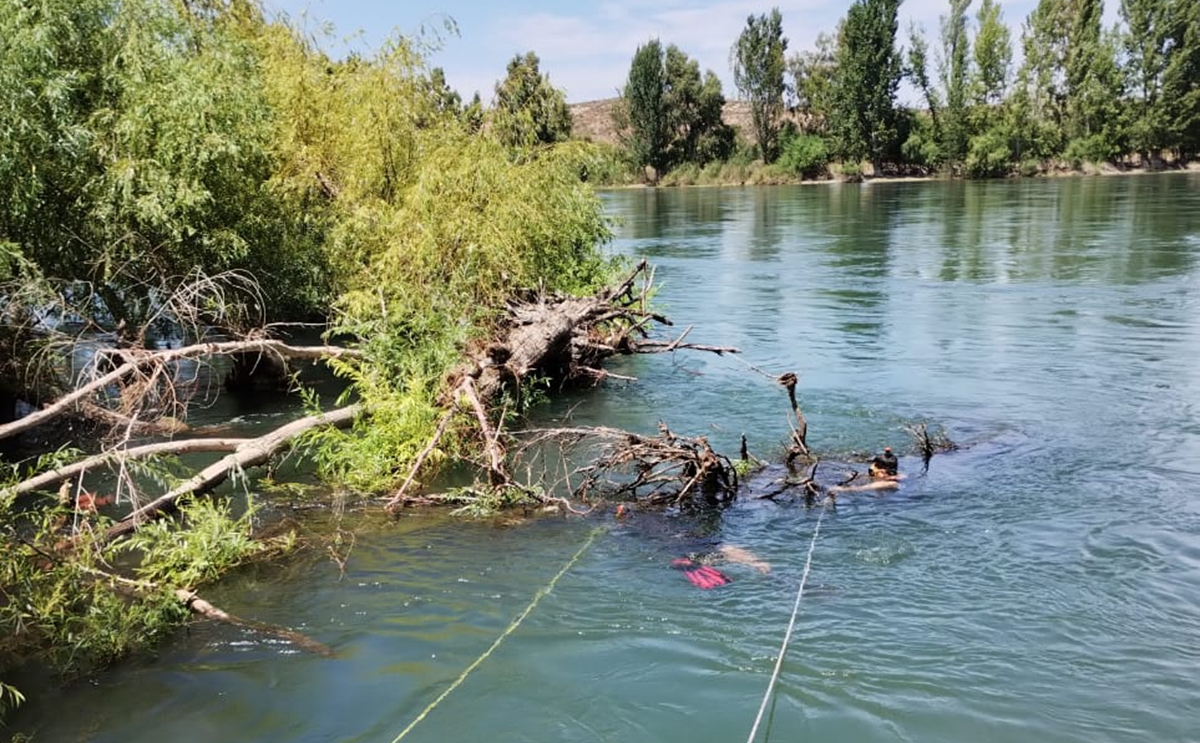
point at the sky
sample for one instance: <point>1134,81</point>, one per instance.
<point>586,47</point>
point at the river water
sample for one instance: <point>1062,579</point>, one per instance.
<point>1040,583</point>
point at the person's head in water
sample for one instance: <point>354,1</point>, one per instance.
<point>885,465</point>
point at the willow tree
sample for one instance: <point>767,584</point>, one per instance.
<point>529,110</point>
<point>758,63</point>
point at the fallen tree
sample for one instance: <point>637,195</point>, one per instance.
<point>564,338</point>
<point>249,453</point>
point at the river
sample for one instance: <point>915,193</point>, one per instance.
<point>1040,583</point>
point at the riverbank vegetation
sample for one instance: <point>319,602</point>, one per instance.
<point>174,174</point>
<point>1063,94</point>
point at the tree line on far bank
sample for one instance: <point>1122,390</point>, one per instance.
<point>1081,94</point>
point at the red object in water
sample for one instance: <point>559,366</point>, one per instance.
<point>88,502</point>
<point>703,577</point>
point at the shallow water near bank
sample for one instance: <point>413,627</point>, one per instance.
<point>1038,584</point>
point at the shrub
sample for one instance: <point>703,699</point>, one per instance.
<point>805,154</point>
<point>1094,149</point>
<point>988,155</point>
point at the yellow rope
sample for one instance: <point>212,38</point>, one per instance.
<point>787,637</point>
<point>508,631</point>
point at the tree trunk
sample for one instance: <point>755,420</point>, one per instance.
<point>248,454</point>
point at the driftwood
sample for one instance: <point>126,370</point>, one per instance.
<point>247,454</point>
<point>207,610</point>
<point>666,468</point>
<point>145,363</point>
<point>568,338</point>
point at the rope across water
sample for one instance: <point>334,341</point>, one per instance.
<point>787,637</point>
<point>507,631</point>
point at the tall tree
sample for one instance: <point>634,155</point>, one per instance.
<point>1181,79</point>
<point>1093,87</point>
<point>644,107</point>
<point>993,55</point>
<point>864,89</point>
<point>1043,77</point>
<point>758,64</point>
<point>955,66</point>
<point>693,106</point>
<point>917,71</point>
<point>668,114</point>
<point>529,110</point>
<point>1147,44</point>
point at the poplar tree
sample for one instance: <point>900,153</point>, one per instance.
<point>1093,86</point>
<point>1147,42</point>
<point>644,107</point>
<point>955,66</point>
<point>1042,100</point>
<point>993,55</point>
<point>694,106</point>
<point>758,64</point>
<point>812,74</point>
<point>1181,79</point>
<point>864,87</point>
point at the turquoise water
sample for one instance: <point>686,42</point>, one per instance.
<point>1040,583</point>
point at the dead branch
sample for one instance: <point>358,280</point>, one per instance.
<point>398,498</point>
<point>135,427</point>
<point>658,469</point>
<point>188,446</point>
<point>205,609</point>
<point>137,360</point>
<point>800,425</point>
<point>250,453</point>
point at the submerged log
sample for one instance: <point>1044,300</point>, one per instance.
<point>247,454</point>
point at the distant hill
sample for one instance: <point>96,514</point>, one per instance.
<point>592,120</point>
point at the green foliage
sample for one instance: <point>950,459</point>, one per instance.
<point>804,154</point>
<point>993,55</point>
<point>1181,78</point>
<point>989,155</point>
<point>758,63</point>
<point>1096,148</point>
<point>917,71</point>
<point>62,606</point>
<point>646,128</point>
<point>195,549</point>
<point>483,501</point>
<point>10,698</point>
<point>922,147</point>
<point>955,70</point>
<point>813,72</point>
<point>694,106</point>
<point>668,115</point>
<point>864,90</point>
<point>529,110</point>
